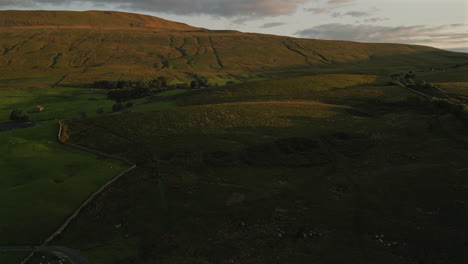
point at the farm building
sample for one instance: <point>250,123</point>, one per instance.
<point>38,109</point>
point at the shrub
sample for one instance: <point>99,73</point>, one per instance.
<point>129,104</point>
<point>118,107</point>
<point>100,110</point>
<point>19,116</point>
<point>441,103</point>
<point>415,101</point>
<point>397,83</point>
<point>461,111</point>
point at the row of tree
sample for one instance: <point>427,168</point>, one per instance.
<point>123,95</point>
<point>159,83</point>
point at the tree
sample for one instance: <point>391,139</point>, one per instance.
<point>19,116</point>
<point>162,81</point>
<point>124,84</point>
<point>104,85</point>
<point>201,80</point>
<point>155,84</point>
<point>194,85</point>
<point>142,84</point>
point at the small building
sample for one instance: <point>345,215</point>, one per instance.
<point>38,109</point>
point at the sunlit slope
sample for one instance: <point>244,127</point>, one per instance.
<point>44,48</point>
<point>87,19</point>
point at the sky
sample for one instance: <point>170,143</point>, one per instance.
<point>438,23</point>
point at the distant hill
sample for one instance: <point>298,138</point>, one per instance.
<point>464,50</point>
<point>46,48</point>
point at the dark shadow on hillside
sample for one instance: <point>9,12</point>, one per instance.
<point>379,198</point>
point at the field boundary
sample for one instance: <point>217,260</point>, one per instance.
<point>90,198</point>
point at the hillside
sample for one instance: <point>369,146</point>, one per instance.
<point>50,48</point>
<point>308,147</point>
<point>86,19</point>
<point>280,171</point>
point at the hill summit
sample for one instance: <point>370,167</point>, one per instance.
<point>86,19</point>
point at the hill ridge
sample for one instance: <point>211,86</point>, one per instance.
<point>86,19</point>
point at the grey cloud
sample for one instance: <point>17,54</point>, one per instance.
<point>376,19</point>
<point>228,8</point>
<point>351,13</point>
<point>339,1</point>
<point>336,14</point>
<point>20,3</point>
<point>273,24</point>
<point>318,10</point>
<point>370,33</point>
<point>356,14</point>
<point>332,5</point>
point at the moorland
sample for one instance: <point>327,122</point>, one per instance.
<point>248,148</point>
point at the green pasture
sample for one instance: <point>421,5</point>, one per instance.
<point>43,182</point>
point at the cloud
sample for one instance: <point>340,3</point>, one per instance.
<point>403,34</point>
<point>318,10</point>
<point>332,5</point>
<point>356,14</point>
<point>273,24</point>
<point>351,14</point>
<point>335,2</point>
<point>376,19</point>
<point>227,8</point>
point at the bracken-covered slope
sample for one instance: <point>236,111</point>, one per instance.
<point>87,19</point>
<point>44,48</point>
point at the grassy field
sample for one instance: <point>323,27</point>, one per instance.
<point>58,103</point>
<point>289,171</point>
<point>43,182</point>
<point>315,87</point>
<point>446,75</point>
